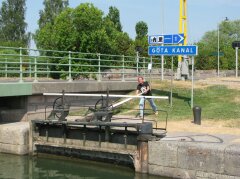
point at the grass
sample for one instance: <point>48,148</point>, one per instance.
<point>217,102</point>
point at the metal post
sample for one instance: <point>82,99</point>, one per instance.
<point>236,62</point>
<point>30,68</point>
<point>6,68</point>
<point>192,82</point>
<point>123,68</point>
<point>151,71</point>
<point>35,68</point>
<point>171,82</point>
<point>99,67</point>
<point>137,61</point>
<point>144,67</point>
<point>162,66</point>
<point>143,110</point>
<point>21,66</point>
<point>48,71</point>
<point>69,67</point>
<point>218,56</point>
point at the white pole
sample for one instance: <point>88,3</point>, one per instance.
<point>218,55</point>
<point>151,70</point>
<point>162,66</point>
<point>162,57</point>
<point>105,95</point>
<point>171,82</point>
<point>137,61</point>
<point>192,81</point>
<point>236,62</point>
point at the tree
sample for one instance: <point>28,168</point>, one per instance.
<point>52,8</point>
<point>12,23</point>
<point>83,29</point>
<point>208,46</point>
<point>141,37</point>
<point>141,29</point>
<point>114,16</point>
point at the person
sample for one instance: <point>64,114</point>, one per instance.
<point>143,88</point>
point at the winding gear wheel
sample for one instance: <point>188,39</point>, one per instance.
<point>60,110</point>
<point>102,110</point>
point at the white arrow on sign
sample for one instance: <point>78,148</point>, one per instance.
<point>178,38</point>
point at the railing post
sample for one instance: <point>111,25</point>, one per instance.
<point>30,68</point>
<point>6,68</point>
<point>69,67</point>
<point>144,67</point>
<point>123,68</point>
<point>137,61</point>
<point>99,67</point>
<point>35,68</point>
<point>21,65</point>
<point>236,61</point>
<point>48,70</point>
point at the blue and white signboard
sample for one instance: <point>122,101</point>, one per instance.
<point>173,50</point>
<point>166,39</point>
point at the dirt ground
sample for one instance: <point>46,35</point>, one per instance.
<point>210,127</point>
<point>207,127</point>
<point>230,82</point>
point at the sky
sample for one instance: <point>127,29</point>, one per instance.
<point>161,16</point>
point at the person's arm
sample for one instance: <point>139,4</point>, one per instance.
<point>137,92</point>
<point>148,89</point>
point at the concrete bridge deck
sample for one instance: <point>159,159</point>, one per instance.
<point>25,101</point>
<point>31,88</point>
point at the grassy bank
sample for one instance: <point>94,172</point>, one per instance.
<point>218,102</point>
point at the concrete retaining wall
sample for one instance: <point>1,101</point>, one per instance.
<point>194,160</point>
<point>173,158</point>
<point>14,138</point>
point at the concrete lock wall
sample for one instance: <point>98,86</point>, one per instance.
<point>194,160</point>
<point>14,138</point>
<point>176,159</point>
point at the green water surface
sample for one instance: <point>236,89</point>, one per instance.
<point>26,167</point>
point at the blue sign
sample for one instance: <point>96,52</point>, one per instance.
<point>173,50</point>
<point>166,39</point>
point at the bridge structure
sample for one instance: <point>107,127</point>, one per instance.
<point>28,73</point>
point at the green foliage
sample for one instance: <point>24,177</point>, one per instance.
<point>85,29</point>
<point>52,8</point>
<point>141,41</point>
<point>229,31</point>
<point>141,29</point>
<point>12,23</point>
<point>114,16</point>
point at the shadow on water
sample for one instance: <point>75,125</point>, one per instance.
<point>21,167</point>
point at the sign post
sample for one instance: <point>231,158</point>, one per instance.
<point>236,45</point>
<point>192,82</point>
<point>171,82</point>
<point>236,62</point>
<point>172,50</point>
<point>165,39</point>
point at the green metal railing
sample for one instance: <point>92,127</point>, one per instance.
<point>35,65</point>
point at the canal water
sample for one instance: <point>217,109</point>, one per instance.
<point>49,167</point>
